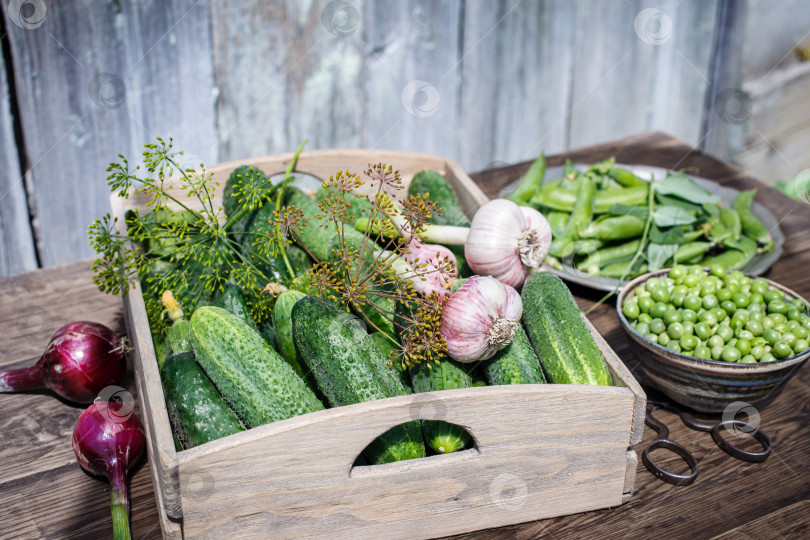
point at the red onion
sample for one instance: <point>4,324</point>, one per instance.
<point>81,359</point>
<point>108,440</point>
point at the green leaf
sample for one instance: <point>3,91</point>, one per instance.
<point>673,235</point>
<point>659,254</point>
<point>685,188</point>
<point>675,201</point>
<point>667,216</point>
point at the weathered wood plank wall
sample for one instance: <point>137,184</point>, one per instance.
<point>96,78</point>
<point>485,82</point>
<point>775,121</point>
<point>16,241</point>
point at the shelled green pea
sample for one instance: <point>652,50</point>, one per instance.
<point>721,316</point>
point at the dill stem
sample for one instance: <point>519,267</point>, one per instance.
<point>283,185</point>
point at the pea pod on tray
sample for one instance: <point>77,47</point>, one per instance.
<point>616,222</point>
<point>752,226</point>
<point>614,228</point>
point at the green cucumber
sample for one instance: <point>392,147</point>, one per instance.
<point>514,364</point>
<point>159,344</point>
<point>435,186</point>
<point>313,236</point>
<point>178,446</point>
<point>230,203</point>
<point>299,260</point>
<point>442,437</point>
<point>232,299</point>
<point>252,377</point>
<point>377,317</point>
<point>559,335</point>
<point>241,174</point>
<point>359,207</point>
<point>283,324</point>
<point>387,347</point>
<point>349,368</point>
<point>268,332</point>
<point>197,412</point>
<point>259,226</point>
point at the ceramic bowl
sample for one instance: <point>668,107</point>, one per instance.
<point>706,385</point>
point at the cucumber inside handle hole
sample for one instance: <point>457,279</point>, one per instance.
<point>362,467</point>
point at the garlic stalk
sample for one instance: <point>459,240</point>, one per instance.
<point>480,318</point>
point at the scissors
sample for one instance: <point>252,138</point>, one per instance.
<point>715,428</point>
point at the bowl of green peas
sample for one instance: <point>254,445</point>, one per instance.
<point>707,337</point>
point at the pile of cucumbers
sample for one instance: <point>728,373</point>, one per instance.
<point>222,373</point>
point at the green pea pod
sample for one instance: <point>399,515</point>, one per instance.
<point>731,220</point>
<point>558,246</point>
<point>691,250</point>
<point>735,259</point>
<point>717,230</point>
<point>619,270</point>
<point>558,222</point>
<point>564,199</point>
<point>614,228</point>
<point>585,247</point>
<point>625,178</point>
<point>531,182</point>
<point>570,174</point>
<point>608,255</point>
<point>555,197</point>
<point>752,226</point>
<point>631,195</point>
<point>730,259</point>
<point>554,185</point>
<point>691,236</point>
<point>582,213</point>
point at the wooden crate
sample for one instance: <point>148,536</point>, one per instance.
<point>540,450</point>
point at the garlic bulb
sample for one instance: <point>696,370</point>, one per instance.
<point>423,283</point>
<point>480,318</point>
<point>438,263</point>
<point>507,241</point>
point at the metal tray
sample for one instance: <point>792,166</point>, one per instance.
<point>759,265</point>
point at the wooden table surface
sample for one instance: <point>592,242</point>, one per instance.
<point>44,493</point>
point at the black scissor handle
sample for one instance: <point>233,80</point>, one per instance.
<point>665,475</point>
<point>662,441</point>
<point>739,453</point>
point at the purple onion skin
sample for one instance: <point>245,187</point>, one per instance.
<point>108,440</point>
<point>81,359</point>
